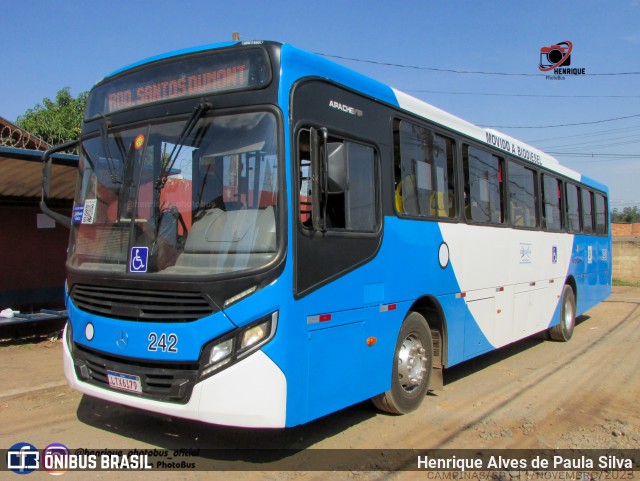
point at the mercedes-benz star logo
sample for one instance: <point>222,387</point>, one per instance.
<point>122,339</point>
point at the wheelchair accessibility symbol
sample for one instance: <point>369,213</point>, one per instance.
<point>139,258</point>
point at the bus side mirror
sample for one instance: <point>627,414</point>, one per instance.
<point>46,183</point>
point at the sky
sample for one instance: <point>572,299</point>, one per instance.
<point>51,44</point>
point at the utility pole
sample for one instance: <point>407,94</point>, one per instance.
<point>235,37</point>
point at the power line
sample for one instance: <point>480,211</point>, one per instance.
<point>416,67</point>
<point>583,154</point>
<point>433,69</point>
<point>466,72</point>
<point>489,94</point>
<point>592,148</point>
<point>608,156</point>
<point>591,134</point>
<point>624,202</point>
<point>599,143</point>
<point>559,125</point>
<point>602,161</point>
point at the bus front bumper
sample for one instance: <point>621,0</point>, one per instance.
<point>250,393</point>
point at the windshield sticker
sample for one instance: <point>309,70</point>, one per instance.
<point>139,142</point>
<point>88,216</point>
<point>78,212</point>
<point>139,258</point>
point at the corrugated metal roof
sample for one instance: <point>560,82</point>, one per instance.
<point>21,174</point>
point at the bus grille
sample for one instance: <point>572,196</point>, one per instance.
<point>141,305</point>
<point>161,381</point>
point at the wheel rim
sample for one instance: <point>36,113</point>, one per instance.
<point>568,313</point>
<point>412,363</point>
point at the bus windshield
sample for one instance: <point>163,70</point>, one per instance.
<point>178,199</point>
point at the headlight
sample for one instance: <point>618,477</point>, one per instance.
<point>219,355</point>
<point>228,349</point>
<point>254,335</point>
<point>221,351</point>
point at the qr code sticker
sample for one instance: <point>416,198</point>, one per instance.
<point>88,216</point>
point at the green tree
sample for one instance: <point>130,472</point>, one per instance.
<point>629,215</point>
<point>56,121</point>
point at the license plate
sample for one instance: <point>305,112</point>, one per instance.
<point>124,382</point>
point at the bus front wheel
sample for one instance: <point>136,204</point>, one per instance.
<point>412,364</point>
<point>564,331</point>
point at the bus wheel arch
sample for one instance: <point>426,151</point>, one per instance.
<point>432,311</point>
<point>412,365</point>
<point>563,331</point>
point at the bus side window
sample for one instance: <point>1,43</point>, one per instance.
<point>350,189</point>
<point>347,190</point>
<point>552,203</point>
<point>483,186</point>
<point>587,212</point>
<point>601,215</point>
<point>424,172</point>
<point>572,193</point>
<point>523,196</point>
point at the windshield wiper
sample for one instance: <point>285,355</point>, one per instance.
<point>111,164</point>
<point>192,121</point>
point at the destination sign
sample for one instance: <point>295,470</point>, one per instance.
<point>194,75</point>
<point>221,79</point>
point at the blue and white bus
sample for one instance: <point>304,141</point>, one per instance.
<point>261,237</point>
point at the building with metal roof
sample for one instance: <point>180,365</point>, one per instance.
<point>32,247</point>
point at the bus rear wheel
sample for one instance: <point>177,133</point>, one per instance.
<point>412,364</point>
<point>564,331</point>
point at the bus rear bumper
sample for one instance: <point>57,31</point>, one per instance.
<point>251,393</point>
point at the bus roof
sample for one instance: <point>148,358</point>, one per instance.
<point>174,53</point>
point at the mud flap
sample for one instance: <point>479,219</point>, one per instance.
<point>436,383</point>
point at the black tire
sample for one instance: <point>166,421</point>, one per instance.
<point>564,331</point>
<point>412,364</point>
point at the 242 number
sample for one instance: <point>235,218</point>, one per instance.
<point>164,342</point>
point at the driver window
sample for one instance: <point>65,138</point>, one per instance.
<point>346,197</point>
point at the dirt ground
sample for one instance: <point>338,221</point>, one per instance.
<point>533,394</point>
